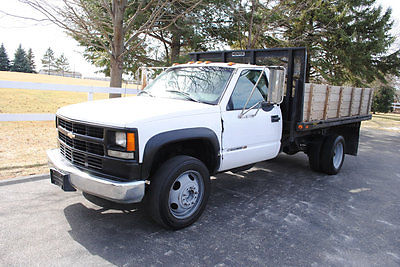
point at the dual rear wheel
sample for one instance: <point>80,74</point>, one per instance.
<point>327,154</point>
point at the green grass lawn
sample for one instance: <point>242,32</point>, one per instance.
<point>36,101</point>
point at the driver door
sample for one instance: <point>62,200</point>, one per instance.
<point>255,136</point>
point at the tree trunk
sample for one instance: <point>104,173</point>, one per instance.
<point>175,45</point>
<point>253,9</point>
<point>166,48</point>
<point>117,60</point>
<point>116,75</point>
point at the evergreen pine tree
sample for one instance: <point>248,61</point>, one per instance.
<point>4,62</point>
<point>31,59</point>
<point>383,99</point>
<point>20,62</point>
<point>49,61</point>
<point>347,41</point>
<point>62,64</point>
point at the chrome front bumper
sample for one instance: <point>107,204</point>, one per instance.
<point>121,192</point>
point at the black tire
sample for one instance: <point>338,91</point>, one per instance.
<point>331,160</point>
<point>314,154</point>
<point>166,179</point>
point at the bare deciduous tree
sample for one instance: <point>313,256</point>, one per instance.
<point>115,26</point>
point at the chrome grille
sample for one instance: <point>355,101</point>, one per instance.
<point>82,145</point>
<point>81,159</point>
<point>78,150</point>
<point>80,128</point>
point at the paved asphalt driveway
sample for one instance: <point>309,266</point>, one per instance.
<point>278,213</point>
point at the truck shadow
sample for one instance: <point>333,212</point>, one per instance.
<point>279,212</point>
<point>284,189</point>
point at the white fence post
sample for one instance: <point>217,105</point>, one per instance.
<point>90,96</point>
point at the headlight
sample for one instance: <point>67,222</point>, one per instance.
<point>120,139</point>
<point>124,140</point>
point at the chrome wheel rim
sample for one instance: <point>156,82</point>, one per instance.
<point>338,155</point>
<point>186,194</point>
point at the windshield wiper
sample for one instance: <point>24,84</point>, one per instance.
<point>187,95</point>
<point>145,92</point>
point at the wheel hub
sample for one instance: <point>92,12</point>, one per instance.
<point>185,194</point>
<point>189,196</point>
<point>338,155</point>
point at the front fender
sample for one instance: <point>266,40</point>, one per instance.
<point>155,143</point>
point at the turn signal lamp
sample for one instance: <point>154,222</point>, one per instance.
<point>130,142</point>
<point>190,62</point>
<point>207,62</point>
<point>198,62</point>
<point>231,63</point>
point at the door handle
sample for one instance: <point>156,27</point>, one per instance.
<point>275,118</point>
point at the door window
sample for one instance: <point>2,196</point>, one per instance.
<point>243,87</point>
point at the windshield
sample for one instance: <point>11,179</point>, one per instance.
<point>200,84</point>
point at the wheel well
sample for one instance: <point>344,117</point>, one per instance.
<point>201,149</point>
<point>350,133</point>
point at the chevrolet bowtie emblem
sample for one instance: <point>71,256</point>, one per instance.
<point>71,135</point>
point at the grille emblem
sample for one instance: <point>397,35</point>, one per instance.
<point>71,135</point>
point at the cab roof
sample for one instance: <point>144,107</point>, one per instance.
<point>215,64</point>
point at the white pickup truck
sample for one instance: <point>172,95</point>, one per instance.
<point>199,119</point>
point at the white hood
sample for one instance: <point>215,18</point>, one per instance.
<point>129,111</point>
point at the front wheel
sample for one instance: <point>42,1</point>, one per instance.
<point>332,154</point>
<point>178,192</point>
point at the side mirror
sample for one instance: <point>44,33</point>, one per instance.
<point>276,86</point>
